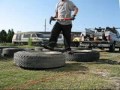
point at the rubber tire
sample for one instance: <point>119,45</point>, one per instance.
<point>119,49</point>
<point>39,60</point>
<point>38,48</point>
<point>9,52</point>
<point>0,52</point>
<point>29,49</point>
<point>80,48</point>
<point>112,48</point>
<point>83,56</point>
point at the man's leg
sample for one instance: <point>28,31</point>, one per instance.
<point>54,35</point>
<point>66,29</point>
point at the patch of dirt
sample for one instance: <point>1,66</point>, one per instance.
<point>102,73</point>
<point>116,81</point>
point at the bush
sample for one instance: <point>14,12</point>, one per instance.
<point>30,42</point>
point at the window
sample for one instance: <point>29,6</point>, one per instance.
<point>26,36</point>
<point>33,35</point>
<point>60,36</point>
<point>18,36</point>
<point>46,35</point>
<point>40,35</point>
<point>113,30</point>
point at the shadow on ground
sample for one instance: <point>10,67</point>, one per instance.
<point>78,66</point>
<point>107,61</point>
<point>71,67</point>
<point>116,51</point>
<point>6,59</point>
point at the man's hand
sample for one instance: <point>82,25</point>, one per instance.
<point>73,17</point>
<point>52,19</point>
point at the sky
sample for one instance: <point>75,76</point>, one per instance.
<point>30,15</point>
<point>119,3</point>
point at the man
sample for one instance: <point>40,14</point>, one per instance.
<point>63,10</point>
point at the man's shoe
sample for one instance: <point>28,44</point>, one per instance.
<point>69,51</point>
<point>47,47</point>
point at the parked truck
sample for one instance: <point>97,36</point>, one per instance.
<point>101,38</point>
<point>36,37</point>
<point>23,37</point>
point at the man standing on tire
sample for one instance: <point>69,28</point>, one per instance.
<point>63,10</point>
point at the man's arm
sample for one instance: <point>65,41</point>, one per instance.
<point>56,14</point>
<point>75,11</point>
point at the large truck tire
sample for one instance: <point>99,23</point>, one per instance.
<point>80,48</point>
<point>38,48</point>
<point>0,52</point>
<point>112,48</point>
<point>29,49</point>
<point>39,60</point>
<point>83,56</point>
<point>9,52</point>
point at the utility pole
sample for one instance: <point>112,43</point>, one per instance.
<point>45,25</point>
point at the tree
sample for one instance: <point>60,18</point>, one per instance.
<point>10,35</point>
<point>3,36</point>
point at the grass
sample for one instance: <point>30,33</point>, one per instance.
<point>6,44</point>
<point>20,46</point>
<point>103,74</point>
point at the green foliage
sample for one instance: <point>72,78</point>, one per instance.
<point>6,37</point>
<point>3,35</point>
<point>30,42</point>
<point>10,35</point>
